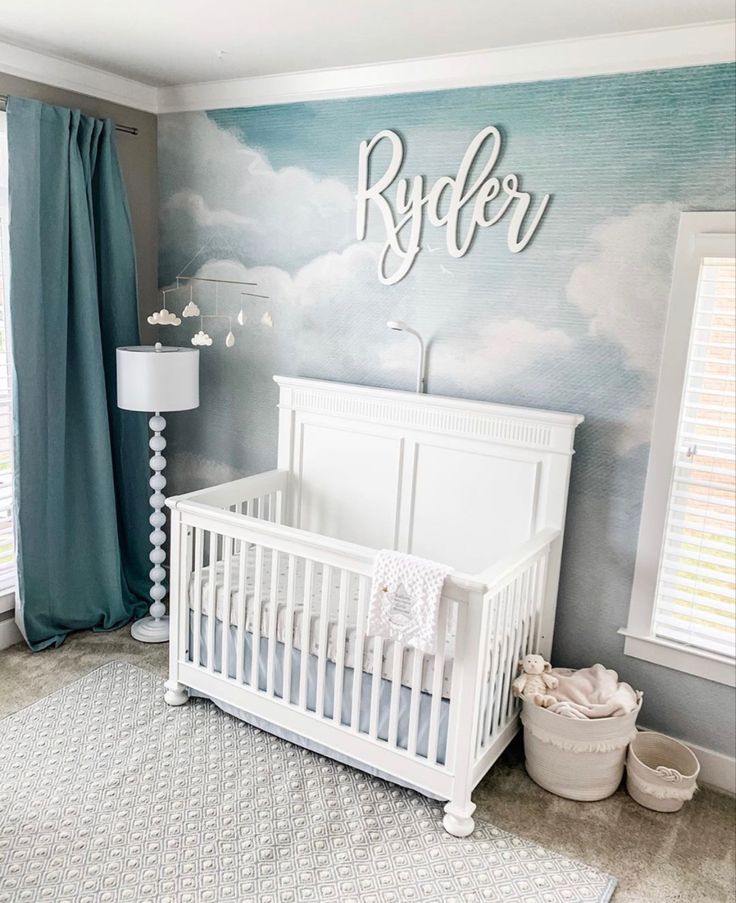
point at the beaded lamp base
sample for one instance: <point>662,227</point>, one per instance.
<point>155,627</point>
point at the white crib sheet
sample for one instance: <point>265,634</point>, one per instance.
<point>332,641</point>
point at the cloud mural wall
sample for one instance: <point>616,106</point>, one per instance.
<point>574,322</point>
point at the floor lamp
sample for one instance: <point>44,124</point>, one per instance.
<point>155,379</point>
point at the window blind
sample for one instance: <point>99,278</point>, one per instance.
<point>696,590</point>
<point>7,545</point>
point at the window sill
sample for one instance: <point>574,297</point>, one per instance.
<point>7,600</point>
<point>707,665</point>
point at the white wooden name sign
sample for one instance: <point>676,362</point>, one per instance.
<point>489,196</point>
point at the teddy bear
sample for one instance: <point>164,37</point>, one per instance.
<point>533,681</point>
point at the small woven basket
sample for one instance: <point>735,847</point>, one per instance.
<point>580,760</point>
<point>660,772</point>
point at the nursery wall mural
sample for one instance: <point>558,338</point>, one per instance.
<point>275,196</point>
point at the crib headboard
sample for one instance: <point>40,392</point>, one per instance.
<point>462,482</point>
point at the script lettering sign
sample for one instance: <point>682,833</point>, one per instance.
<point>490,198</point>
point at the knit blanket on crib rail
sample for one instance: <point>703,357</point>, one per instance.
<point>405,599</point>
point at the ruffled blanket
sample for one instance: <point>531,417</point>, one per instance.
<point>593,692</point>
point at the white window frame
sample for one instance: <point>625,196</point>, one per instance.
<point>700,235</point>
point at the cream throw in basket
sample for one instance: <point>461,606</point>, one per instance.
<point>576,759</point>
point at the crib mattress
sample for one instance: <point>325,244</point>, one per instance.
<point>222,611</point>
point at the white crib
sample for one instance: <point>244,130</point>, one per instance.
<point>271,574</point>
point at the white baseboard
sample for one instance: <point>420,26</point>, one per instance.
<point>9,633</point>
<point>716,769</point>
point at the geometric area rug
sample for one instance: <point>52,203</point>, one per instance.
<point>108,795</point>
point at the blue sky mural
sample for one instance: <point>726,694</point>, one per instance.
<point>574,322</point>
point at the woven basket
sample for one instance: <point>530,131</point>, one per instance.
<point>580,760</point>
<point>660,772</point>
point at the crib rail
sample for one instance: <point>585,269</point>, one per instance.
<point>294,632</point>
<point>260,496</point>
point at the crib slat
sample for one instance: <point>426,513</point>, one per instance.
<point>289,627</point>
<point>197,600</point>
<point>416,690</point>
<point>306,618</point>
<point>437,681</point>
<point>340,650</point>
<point>358,654</point>
<point>376,685</point>
<point>324,623</point>
<point>396,675</point>
<point>519,586</point>
<point>485,655</point>
<point>256,627</point>
<point>212,602</point>
<point>494,644</point>
<point>273,612</point>
<point>503,661</point>
<point>279,507</point>
<point>527,588</point>
<point>500,659</point>
<point>240,641</point>
<point>530,601</point>
<point>227,558</point>
<point>540,598</point>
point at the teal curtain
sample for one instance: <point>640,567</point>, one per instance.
<point>81,463</point>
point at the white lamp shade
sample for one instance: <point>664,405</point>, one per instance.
<point>153,378</point>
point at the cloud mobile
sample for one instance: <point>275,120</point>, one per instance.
<point>458,191</point>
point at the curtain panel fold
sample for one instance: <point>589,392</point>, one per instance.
<point>81,463</point>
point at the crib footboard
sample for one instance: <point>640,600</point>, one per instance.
<point>272,621</point>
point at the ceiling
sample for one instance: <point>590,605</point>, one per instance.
<point>173,42</point>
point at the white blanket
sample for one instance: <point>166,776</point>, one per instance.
<point>593,692</point>
<point>405,599</point>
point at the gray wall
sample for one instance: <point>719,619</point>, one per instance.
<point>138,159</point>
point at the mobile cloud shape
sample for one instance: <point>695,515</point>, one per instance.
<point>267,320</point>
<point>201,338</point>
<point>164,317</point>
<point>191,310</point>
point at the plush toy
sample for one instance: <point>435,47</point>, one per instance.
<point>533,681</point>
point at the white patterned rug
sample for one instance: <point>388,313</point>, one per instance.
<point>108,795</point>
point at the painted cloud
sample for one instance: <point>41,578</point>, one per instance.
<point>164,317</point>
<point>624,286</point>
<point>498,351</point>
<point>216,190</point>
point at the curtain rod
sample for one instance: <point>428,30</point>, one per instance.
<point>128,129</point>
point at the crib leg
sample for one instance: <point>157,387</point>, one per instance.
<point>457,820</point>
<point>176,693</point>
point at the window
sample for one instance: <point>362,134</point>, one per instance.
<point>683,606</point>
<point>7,549</point>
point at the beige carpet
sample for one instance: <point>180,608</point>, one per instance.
<point>689,857</point>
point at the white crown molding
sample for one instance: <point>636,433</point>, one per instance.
<point>601,55</point>
<point>50,70</point>
<point>694,45</point>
